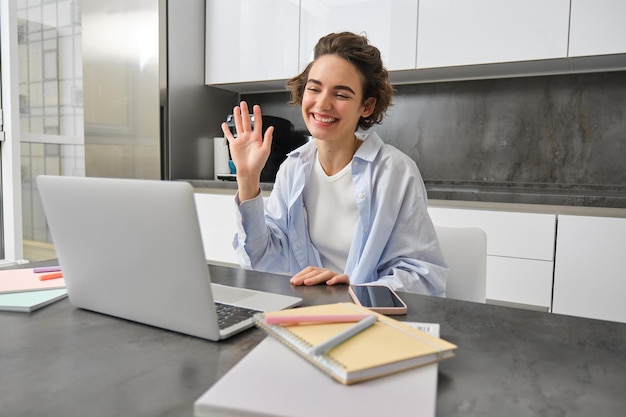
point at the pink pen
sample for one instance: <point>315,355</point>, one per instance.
<point>315,318</point>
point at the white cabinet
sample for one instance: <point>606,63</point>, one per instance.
<point>597,27</point>
<point>590,268</point>
<point>458,32</point>
<point>250,40</point>
<point>390,25</point>
<point>520,252</point>
<point>253,46</point>
<point>527,282</point>
<point>216,213</point>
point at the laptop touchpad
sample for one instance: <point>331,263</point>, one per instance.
<point>230,295</point>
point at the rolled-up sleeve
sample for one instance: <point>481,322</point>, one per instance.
<point>251,229</point>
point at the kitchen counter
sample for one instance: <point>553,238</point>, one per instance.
<point>587,196</point>
<point>571,200</point>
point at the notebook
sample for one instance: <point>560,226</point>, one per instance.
<point>27,302</point>
<point>26,279</point>
<point>132,249</point>
<point>274,381</point>
<point>387,347</point>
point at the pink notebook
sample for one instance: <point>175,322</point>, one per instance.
<point>21,280</point>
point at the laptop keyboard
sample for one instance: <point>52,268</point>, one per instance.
<point>228,315</point>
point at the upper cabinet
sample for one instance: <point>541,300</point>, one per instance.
<point>389,25</point>
<point>455,33</point>
<point>255,45</point>
<point>250,40</point>
<point>597,27</point>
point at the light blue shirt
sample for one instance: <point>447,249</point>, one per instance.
<point>394,243</point>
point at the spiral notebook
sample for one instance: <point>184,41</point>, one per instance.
<point>387,347</point>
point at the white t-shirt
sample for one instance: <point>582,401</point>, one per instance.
<point>332,214</point>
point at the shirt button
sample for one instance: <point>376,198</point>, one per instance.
<point>361,196</point>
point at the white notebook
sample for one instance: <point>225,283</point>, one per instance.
<point>274,381</point>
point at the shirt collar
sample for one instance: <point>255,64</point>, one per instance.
<point>372,143</point>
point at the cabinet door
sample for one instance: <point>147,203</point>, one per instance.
<point>250,40</point>
<point>459,32</point>
<point>526,282</point>
<point>590,268</point>
<point>216,213</point>
<point>512,234</point>
<point>597,27</point>
<point>391,26</point>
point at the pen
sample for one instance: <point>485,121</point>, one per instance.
<point>54,275</point>
<point>343,336</point>
<point>46,269</point>
<point>315,318</point>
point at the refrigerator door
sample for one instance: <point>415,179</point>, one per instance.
<point>148,112</point>
<point>122,67</point>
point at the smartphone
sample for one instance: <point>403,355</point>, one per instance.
<point>376,297</point>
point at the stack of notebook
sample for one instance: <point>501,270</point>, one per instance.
<point>387,368</point>
<point>29,289</point>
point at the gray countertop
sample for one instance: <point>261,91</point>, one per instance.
<point>63,361</point>
<point>586,201</point>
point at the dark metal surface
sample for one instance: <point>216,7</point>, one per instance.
<point>63,361</point>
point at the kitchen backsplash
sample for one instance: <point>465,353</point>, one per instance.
<point>546,139</point>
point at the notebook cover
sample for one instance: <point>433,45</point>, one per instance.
<point>30,301</point>
<point>21,280</point>
<point>387,347</point>
<point>274,381</point>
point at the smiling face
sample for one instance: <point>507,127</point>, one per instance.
<point>332,102</point>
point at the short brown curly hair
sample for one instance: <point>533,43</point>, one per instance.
<point>357,50</point>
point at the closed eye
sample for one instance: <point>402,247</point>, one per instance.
<point>344,92</point>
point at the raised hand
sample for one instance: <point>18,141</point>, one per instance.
<point>249,150</point>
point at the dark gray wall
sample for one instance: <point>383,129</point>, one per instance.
<point>548,140</point>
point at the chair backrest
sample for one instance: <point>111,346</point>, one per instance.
<point>465,251</point>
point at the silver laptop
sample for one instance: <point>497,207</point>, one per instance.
<point>132,249</point>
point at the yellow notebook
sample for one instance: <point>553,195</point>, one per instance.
<point>387,347</point>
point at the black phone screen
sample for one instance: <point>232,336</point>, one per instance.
<point>376,296</point>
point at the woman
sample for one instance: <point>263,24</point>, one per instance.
<point>345,207</point>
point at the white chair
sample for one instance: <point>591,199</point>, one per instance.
<point>465,251</point>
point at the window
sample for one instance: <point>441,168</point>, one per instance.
<point>50,106</point>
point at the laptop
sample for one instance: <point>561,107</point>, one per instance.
<point>132,249</point>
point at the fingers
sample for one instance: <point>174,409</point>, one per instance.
<point>244,116</point>
<point>267,139</point>
<point>313,276</point>
<point>237,117</point>
<point>339,279</point>
<point>308,276</point>
<point>258,119</point>
<point>244,123</point>
<point>241,116</point>
<point>227,133</point>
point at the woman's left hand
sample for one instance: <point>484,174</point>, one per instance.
<point>312,276</point>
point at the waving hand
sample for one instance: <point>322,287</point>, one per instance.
<point>249,150</point>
